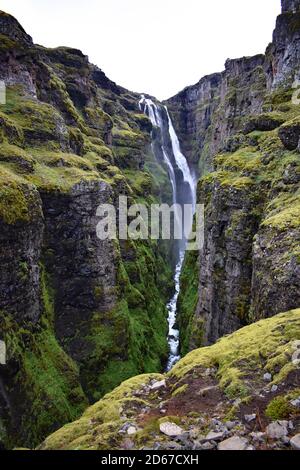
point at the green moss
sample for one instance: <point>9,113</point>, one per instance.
<point>243,352</point>
<point>285,214</point>
<point>105,415</point>
<point>52,388</point>
<point>47,380</point>
<point>6,43</point>
<point>179,390</point>
<point>190,328</point>
<point>278,408</point>
<point>13,198</point>
<point>127,138</point>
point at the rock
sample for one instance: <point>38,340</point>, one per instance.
<point>170,429</point>
<point>171,445</point>
<point>277,430</point>
<point>157,385</point>
<point>206,446</point>
<point>230,425</point>
<point>267,377</point>
<point>234,443</point>
<point>131,430</point>
<point>295,403</point>
<point>257,436</point>
<point>295,442</point>
<point>237,402</point>
<point>215,436</point>
<point>127,444</point>
<point>289,134</point>
<point>250,418</point>
<point>274,388</point>
<point>250,448</point>
<point>285,440</point>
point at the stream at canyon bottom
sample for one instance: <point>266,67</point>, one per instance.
<point>166,147</point>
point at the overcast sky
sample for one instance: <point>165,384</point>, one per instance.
<point>152,46</point>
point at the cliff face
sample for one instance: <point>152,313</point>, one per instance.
<point>208,113</point>
<point>244,128</point>
<point>78,314</point>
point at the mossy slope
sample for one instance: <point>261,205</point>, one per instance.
<point>240,361</point>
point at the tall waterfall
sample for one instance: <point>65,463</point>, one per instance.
<point>166,147</point>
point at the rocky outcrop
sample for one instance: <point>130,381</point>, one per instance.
<point>208,113</point>
<point>282,56</point>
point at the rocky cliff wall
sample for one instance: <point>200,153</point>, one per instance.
<point>78,314</point>
<point>242,127</point>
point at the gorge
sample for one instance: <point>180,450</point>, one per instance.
<point>90,325</point>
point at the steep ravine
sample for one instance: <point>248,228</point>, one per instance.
<point>80,315</point>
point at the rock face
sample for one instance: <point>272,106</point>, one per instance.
<point>208,113</point>
<point>242,127</point>
<point>78,314</point>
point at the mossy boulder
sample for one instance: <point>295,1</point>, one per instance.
<point>289,134</point>
<point>264,122</point>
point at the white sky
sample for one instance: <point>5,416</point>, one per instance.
<point>152,46</point>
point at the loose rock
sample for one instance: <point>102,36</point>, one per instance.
<point>157,385</point>
<point>250,418</point>
<point>215,436</point>
<point>170,429</point>
<point>295,442</point>
<point>267,377</point>
<point>277,430</point>
<point>234,443</point>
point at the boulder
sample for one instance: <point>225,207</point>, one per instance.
<point>295,442</point>
<point>170,429</point>
<point>277,430</point>
<point>234,443</point>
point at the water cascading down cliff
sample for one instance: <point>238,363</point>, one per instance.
<point>166,147</point>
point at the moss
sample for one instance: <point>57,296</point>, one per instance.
<point>38,120</point>
<point>105,416</point>
<point>13,154</point>
<point>52,388</point>
<point>14,205</point>
<point>190,329</point>
<point>6,43</point>
<point>179,390</point>
<point>278,408</point>
<point>285,214</point>
<point>127,138</point>
<point>238,354</point>
<point>47,380</point>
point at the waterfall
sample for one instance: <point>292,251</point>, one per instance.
<point>167,149</point>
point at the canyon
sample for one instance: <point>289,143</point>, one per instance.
<point>90,325</point>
